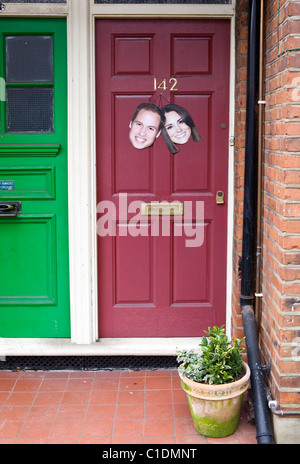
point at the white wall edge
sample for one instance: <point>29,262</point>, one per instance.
<point>230,210</point>
<point>104,347</point>
<point>93,187</point>
<point>163,10</point>
<point>81,208</point>
<point>35,9</point>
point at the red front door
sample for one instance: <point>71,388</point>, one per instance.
<point>162,275</point>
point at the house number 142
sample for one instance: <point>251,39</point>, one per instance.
<point>164,85</point>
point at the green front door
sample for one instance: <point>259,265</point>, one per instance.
<point>34,265</point>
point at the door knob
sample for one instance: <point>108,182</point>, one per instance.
<point>220,200</point>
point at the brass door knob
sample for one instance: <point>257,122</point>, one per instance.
<point>220,200</point>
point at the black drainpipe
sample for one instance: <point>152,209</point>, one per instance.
<point>262,419</point>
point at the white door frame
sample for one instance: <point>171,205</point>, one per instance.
<point>150,11</point>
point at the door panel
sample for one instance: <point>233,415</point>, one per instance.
<point>133,272</point>
<point>186,264</point>
<point>34,270</point>
<point>151,282</point>
<point>29,280</point>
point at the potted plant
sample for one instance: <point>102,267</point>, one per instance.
<point>214,379</point>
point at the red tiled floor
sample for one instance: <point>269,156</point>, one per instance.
<point>103,407</point>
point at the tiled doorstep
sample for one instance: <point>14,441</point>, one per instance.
<point>103,407</point>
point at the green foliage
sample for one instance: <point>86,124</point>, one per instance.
<point>219,361</point>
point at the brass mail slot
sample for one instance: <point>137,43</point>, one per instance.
<point>162,208</point>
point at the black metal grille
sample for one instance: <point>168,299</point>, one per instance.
<point>29,58</point>
<point>87,363</point>
<point>30,109</point>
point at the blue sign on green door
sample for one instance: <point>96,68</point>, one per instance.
<point>34,259</point>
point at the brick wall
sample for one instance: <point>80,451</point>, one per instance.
<point>281,250</point>
<point>280,317</point>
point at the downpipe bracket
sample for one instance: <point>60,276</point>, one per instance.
<point>266,369</point>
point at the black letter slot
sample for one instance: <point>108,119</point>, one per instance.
<point>10,208</point>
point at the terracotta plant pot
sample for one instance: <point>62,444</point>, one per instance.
<point>216,409</point>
